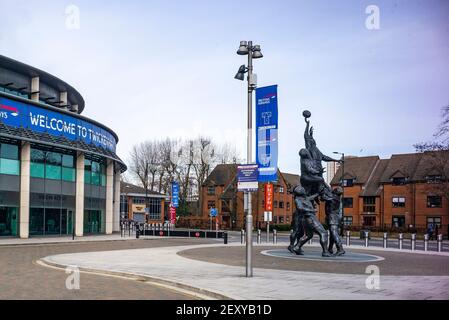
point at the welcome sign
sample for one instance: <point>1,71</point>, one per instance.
<point>21,115</point>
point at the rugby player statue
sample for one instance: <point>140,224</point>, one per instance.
<point>314,189</point>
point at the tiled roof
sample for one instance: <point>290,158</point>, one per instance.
<point>221,175</point>
<point>373,186</point>
<point>401,165</point>
<point>359,168</point>
<point>128,188</point>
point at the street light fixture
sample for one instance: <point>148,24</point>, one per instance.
<point>241,73</point>
<point>253,52</point>
<point>342,185</point>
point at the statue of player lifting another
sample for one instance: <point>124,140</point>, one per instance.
<point>306,209</point>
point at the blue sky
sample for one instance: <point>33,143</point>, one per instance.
<point>150,69</point>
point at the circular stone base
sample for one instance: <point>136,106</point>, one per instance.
<point>316,255</point>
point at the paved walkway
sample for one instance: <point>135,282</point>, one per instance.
<point>219,281</point>
<point>49,240</point>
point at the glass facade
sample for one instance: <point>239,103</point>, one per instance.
<point>94,195</point>
<point>52,192</point>
<point>9,159</point>
<point>94,172</point>
<point>52,165</point>
<point>9,217</point>
<point>9,188</point>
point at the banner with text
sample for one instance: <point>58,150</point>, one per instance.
<point>18,114</point>
<point>267,133</point>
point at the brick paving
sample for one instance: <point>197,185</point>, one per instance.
<point>22,278</point>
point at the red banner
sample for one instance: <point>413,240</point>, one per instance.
<point>172,214</point>
<point>269,197</point>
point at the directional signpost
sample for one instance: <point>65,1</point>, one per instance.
<point>213,212</point>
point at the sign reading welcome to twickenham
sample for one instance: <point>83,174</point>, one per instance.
<point>18,114</point>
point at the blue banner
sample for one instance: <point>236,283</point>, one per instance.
<point>175,194</point>
<point>17,114</point>
<point>267,133</point>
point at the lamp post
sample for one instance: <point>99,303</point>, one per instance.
<point>253,52</point>
<point>343,187</point>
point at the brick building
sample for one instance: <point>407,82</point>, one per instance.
<point>403,192</point>
<point>220,191</point>
<point>133,200</point>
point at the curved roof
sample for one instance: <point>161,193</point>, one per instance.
<point>44,77</point>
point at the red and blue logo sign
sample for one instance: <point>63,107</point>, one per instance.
<point>8,110</point>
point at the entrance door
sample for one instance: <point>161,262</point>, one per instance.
<point>93,221</point>
<point>8,221</point>
<point>369,221</point>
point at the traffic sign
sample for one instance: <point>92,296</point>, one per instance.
<point>213,212</point>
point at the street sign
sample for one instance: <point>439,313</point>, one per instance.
<point>247,175</point>
<point>175,194</point>
<point>267,132</point>
<point>269,191</point>
<point>213,212</point>
<point>268,216</point>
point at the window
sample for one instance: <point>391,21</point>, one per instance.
<point>434,202</point>
<point>275,219</point>
<point>139,200</point>
<point>348,182</point>
<point>210,204</point>
<point>434,222</point>
<point>288,205</point>
<point>288,219</point>
<point>398,202</point>
<point>399,181</point>
<point>347,220</point>
<point>154,207</point>
<point>348,202</point>
<point>281,204</point>
<point>275,204</point>
<point>369,204</point>
<point>398,221</point>
<point>281,189</point>
<point>94,172</point>
<point>52,165</point>
<point>281,219</point>
<point>211,190</point>
<point>434,179</point>
<point>9,155</point>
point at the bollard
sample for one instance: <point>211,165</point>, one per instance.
<point>258,236</point>
<point>440,243</point>
<point>400,239</point>
<point>348,238</point>
<point>366,238</point>
<point>242,236</point>
<point>275,236</point>
<point>225,237</point>
<point>426,242</point>
<point>413,241</point>
<point>385,240</point>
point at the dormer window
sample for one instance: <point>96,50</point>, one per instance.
<point>399,181</point>
<point>348,182</point>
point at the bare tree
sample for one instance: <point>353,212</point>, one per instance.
<point>436,158</point>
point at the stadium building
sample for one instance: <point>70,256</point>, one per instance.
<point>59,172</point>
